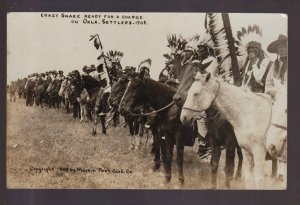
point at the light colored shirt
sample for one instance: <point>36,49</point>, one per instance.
<point>274,83</point>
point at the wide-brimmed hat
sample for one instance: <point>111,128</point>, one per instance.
<point>273,47</point>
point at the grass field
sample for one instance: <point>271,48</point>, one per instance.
<point>49,149</point>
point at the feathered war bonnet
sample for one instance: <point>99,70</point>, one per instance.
<point>249,38</point>
<point>115,56</point>
<point>145,65</point>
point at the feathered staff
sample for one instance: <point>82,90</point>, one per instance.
<point>97,42</point>
<point>218,25</point>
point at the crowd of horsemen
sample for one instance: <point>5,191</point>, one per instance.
<point>258,73</point>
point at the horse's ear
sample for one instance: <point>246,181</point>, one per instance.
<point>207,77</point>
<point>204,66</point>
<point>197,76</point>
<point>142,74</point>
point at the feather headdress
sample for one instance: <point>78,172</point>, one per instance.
<point>176,43</point>
<point>192,43</point>
<point>247,38</point>
<point>145,64</point>
<point>115,56</point>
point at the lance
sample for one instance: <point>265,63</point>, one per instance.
<point>232,49</point>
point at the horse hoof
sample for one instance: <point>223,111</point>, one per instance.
<point>93,132</point>
<point>181,180</point>
<point>155,167</point>
<point>238,177</point>
<point>213,187</point>
<point>131,147</point>
<point>167,180</point>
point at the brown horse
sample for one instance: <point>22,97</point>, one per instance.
<point>142,90</point>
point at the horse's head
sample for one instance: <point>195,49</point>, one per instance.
<point>133,93</point>
<point>117,90</point>
<point>187,80</point>
<point>200,96</point>
<point>277,133</point>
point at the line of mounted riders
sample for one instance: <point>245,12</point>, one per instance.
<point>144,102</point>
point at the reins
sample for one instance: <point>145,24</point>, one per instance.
<point>279,126</point>
<point>153,112</point>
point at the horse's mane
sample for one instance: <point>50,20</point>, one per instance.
<point>91,81</point>
<point>161,88</point>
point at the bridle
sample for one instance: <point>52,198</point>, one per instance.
<point>279,126</point>
<point>198,111</point>
<point>150,113</point>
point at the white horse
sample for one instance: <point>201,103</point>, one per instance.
<point>249,114</point>
<point>64,92</point>
<point>276,141</point>
<point>277,133</point>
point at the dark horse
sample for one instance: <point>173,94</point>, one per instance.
<point>30,85</point>
<point>220,132</point>
<point>134,122</point>
<point>52,92</point>
<point>98,102</point>
<point>40,92</point>
<point>117,92</point>
<point>21,87</point>
<point>143,90</point>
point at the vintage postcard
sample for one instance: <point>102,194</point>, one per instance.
<point>146,100</point>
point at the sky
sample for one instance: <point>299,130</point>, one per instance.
<point>38,42</point>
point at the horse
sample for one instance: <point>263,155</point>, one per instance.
<point>142,90</point>
<point>40,92</point>
<point>29,88</point>
<point>220,132</point>
<point>276,140</point>
<point>52,91</point>
<point>249,114</point>
<point>97,103</point>
<point>117,92</point>
<point>134,122</point>
<point>21,87</point>
<point>64,93</point>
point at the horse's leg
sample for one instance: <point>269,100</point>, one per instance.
<point>259,160</point>
<point>95,122</point>
<point>27,100</point>
<point>102,119</point>
<point>131,133</point>
<point>169,155</point>
<point>136,133</point>
<point>240,161</point>
<point>115,118</point>
<point>215,158</point>
<point>180,151</point>
<point>248,171</point>
<point>156,142</point>
<point>86,112</point>
<point>81,111</point>
<point>274,168</point>
<point>229,162</point>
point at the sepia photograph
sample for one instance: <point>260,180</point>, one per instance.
<point>135,100</point>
